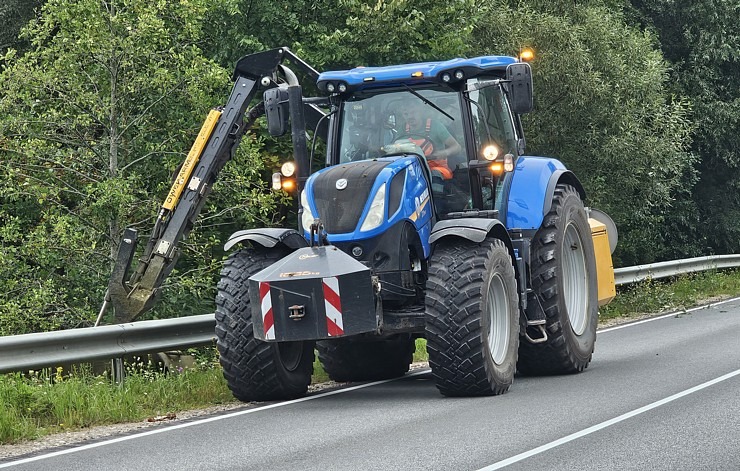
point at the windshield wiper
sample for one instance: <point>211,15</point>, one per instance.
<point>421,97</point>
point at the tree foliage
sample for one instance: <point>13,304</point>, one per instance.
<point>101,100</point>
<point>396,31</point>
<point>14,14</point>
<point>344,33</point>
<point>94,120</point>
<point>702,41</point>
<point>602,107</point>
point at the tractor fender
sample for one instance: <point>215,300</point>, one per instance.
<point>473,229</point>
<point>268,237</point>
<point>476,230</point>
<point>532,189</point>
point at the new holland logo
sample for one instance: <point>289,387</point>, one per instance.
<point>341,184</point>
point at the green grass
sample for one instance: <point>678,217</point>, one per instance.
<point>37,405</point>
<point>45,403</point>
<point>654,296</point>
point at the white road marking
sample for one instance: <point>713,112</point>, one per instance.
<point>595,428</point>
<point>608,423</point>
<point>202,421</point>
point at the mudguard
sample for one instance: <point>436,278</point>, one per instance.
<point>473,229</point>
<point>268,237</point>
<point>532,189</point>
<point>476,230</point>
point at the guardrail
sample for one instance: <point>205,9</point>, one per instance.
<point>623,276</point>
<point>33,351</point>
<point>43,349</point>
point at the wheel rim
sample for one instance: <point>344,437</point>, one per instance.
<point>575,284</point>
<point>290,354</point>
<point>498,317</point>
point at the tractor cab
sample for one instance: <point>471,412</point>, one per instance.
<point>456,116</point>
<point>410,146</point>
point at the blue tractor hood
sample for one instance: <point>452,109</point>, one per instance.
<point>343,195</point>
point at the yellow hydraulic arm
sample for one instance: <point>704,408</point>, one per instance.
<point>216,143</point>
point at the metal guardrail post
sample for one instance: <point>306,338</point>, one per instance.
<point>117,372</point>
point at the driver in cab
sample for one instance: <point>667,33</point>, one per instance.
<point>430,135</point>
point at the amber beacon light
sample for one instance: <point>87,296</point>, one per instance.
<point>526,54</point>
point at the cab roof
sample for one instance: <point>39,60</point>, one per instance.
<point>413,74</point>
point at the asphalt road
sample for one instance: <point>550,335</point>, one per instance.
<point>662,394</point>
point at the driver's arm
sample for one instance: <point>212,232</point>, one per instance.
<point>452,147</point>
<point>442,135</point>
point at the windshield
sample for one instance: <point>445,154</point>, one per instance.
<point>400,121</point>
<point>492,120</point>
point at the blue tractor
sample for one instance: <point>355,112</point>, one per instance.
<point>427,220</point>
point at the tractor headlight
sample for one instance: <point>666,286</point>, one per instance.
<point>277,181</point>
<point>490,152</point>
<point>288,169</point>
<point>307,216</point>
<point>376,214</point>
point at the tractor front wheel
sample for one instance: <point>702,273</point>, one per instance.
<point>256,370</point>
<point>472,325</point>
<point>360,360</point>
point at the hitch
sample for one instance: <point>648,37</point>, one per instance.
<point>318,233</point>
<point>539,327</point>
<point>297,312</point>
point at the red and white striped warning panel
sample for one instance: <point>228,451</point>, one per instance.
<point>268,320</point>
<point>334,323</point>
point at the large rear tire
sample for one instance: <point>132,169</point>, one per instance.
<point>472,326</point>
<point>256,370</point>
<point>359,360</point>
<point>564,277</point>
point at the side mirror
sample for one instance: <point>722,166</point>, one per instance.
<point>520,87</point>
<point>276,109</point>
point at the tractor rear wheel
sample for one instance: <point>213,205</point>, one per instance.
<point>359,360</point>
<point>256,370</point>
<point>472,325</point>
<point>564,278</point>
